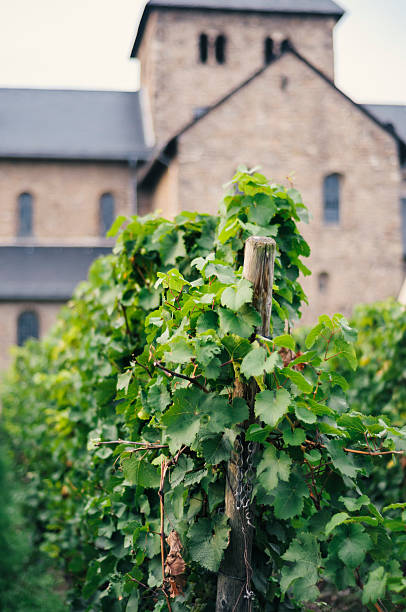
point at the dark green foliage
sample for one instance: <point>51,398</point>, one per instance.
<point>26,582</point>
<point>149,351</point>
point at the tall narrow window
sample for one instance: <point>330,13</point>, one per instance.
<point>331,199</point>
<point>268,50</point>
<point>25,215</point>
<point>403,212</point>
<point>220,49</point>
<point>106,213</point>
<point>323,282</point>
<point>203,48</point>
<point>27,326</point>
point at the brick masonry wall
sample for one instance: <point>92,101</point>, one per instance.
<point>66,198</point>
<point>178,83</point>
<point>291,121</point>
<point>9,313</point>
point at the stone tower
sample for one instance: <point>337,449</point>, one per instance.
<point>193,52</point>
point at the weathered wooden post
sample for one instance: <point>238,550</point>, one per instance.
<point>233,585</point>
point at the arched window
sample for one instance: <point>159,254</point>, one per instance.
<point>220,49</point>
<point>323,280</point>
<point>25,215</point>
<point>106,213</point>
<point>27,326</point>
<point>331,199</point>
<point>268,50</point>
<point>203,48</point>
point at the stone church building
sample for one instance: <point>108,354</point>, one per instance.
<point>223,83</point>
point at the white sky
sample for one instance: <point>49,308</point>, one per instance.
<point>85,44</point>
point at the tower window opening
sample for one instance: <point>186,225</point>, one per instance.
<point>268,50</point>
<point>285,45</point>
<point>203,48</point>
<point>220,49</point>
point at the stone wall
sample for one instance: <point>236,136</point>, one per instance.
<point>178,83</point>
<point>291,122</point>
<point>66,198</point>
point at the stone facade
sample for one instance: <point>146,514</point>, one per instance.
<point>65,212</point>
<point>66,198</point>
<point>290,121</point>
<point>178,83</point>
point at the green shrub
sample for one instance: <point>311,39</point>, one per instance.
<point>151,350</point>
<point>26,581</point>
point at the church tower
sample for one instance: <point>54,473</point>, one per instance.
<point>193,52</point>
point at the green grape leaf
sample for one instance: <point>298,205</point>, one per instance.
<point>235,323</point>
<point>123,381</point>
<point>271,406</point>
<point>140,472</point>
<point>295,437</point>
<point>343,461</point>
<point>375,586</point>
<point>299,380</point>
<point>207,321</point>
<point>313,335</point>
<point>274,466</point>
<point>182,419</point>
<point>234,299</point>
<point>304,414</point>
<point>181,351</point>
<point>257,433</point>
<point>262,209</point>
<point>207,541</point>
<point>289,496</point>
<point>286,341</point>
<point>236,347</point>
<point>351,543</point>
<point>304,554</point>
<point>217,448</point>
<point>253,364</point>
<point>336,519</point>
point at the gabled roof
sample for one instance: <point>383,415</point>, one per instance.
<point>392,115</point>
<point>69,124</point>
<point>326,8</point>
<point>160,160</point>
<point>44,273</point>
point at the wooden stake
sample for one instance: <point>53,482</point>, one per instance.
<point>259,259</point>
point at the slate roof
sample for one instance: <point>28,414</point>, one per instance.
<point>390,114</point>
<point>71,124</point>
<point>44,273</point>
<point>302,7</point>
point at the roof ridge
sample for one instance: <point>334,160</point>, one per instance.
<point>162,154</point>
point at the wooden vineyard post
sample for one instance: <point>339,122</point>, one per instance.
<point>234,577</point>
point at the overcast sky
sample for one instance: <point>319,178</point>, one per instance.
<point>85,44</point>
